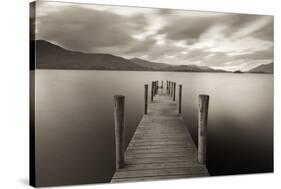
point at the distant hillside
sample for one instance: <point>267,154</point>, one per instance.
<point>51,56</point>
<point>149,64</point>
<point>264,68</point>
<point>193,68</point>
<point>168,67</point>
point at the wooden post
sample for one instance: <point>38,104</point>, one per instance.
<point>152,90</point>
<point>171,88</point>
<point>155,88</point>
<point>202,127</point>
<point>167,82</point>
<point>180,95</point>
<point>145,98</point>
<point>168,86</point>
<point>161,84</point>
<point>153,82</point>
<point>156,91</point>
<point>119,114</point>
<point>174,92</point>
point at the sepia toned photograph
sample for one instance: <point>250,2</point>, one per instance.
<point>130,94</point>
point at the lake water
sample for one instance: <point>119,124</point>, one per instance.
<point>75,129</point>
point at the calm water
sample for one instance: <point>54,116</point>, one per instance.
<point>75,130</point>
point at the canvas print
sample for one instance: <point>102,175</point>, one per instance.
<point>126,94</point>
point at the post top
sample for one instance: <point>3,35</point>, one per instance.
<point>203,96</point>
<point>119,96</point>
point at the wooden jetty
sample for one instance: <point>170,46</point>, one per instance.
<point>162,147</point>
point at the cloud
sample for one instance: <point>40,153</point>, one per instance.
<point>265,32</point>
<point>83,29</point>
<point>220,40</point>
<point>225,61</point>
<point>184,28</point>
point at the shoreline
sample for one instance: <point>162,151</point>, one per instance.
<point>149,70</point>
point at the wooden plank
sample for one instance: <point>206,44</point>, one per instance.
<point>131,165</point>
<point>151,178</point>
<point>157,147</point>
<point>158,143</point>
<point>159,150</point>
<point>152,143</point>
<point>160,138</point>
<point>163,159</point>
<point>158,135</point>
<point>162,154</point>
<point>165,133</point>
<point>160,172</point>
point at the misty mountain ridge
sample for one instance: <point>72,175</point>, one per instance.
<point>51,56</point>
<point>264,68</point>
<point>149,64</point>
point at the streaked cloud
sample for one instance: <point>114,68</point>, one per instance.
<point>220,40</point>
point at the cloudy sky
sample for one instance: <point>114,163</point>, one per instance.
<point>218,40</point>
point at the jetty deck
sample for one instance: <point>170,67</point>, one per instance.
<point>162,147</point>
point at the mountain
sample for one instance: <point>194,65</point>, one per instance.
<point>177,68</point>
<point>51,56</point>
<point>193,68</point>
<point>237,71</point>
<point>264,68</point>
<point>149,64</point>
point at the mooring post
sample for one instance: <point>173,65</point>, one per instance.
<point>168,87</point>
<point>202,128</point>
<point>153,87</point>
<point>167,84</point>
<point>157,86</point>
<point>145,98</point>
<point>174,92</point>
<point>161,84</point>
<point>171,88</point>
<point>119,114</point>
<point>152,90</point>
<point>180,95</point>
